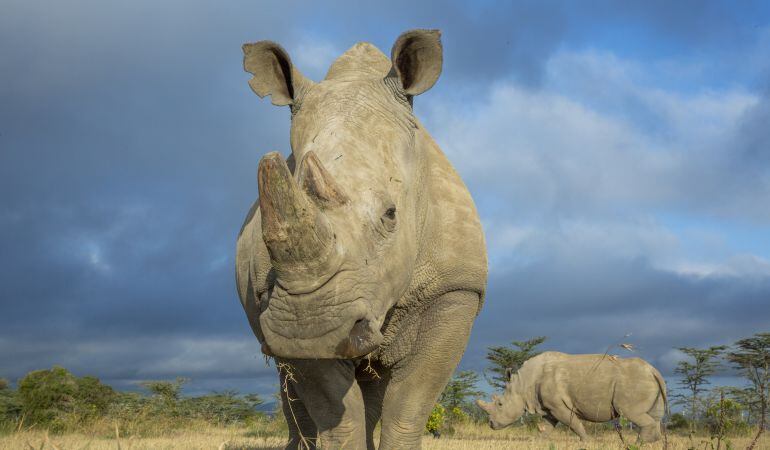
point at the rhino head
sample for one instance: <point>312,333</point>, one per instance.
<point>341,217</point>
<point>503,411</point>
<point>506,409</point>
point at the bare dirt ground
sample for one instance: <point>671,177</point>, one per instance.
<point>467,438</point>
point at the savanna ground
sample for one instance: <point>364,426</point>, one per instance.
<point>466,437</point>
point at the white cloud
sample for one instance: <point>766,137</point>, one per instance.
<point>739,265</point>
<point>584,165</point>
<point>313,57</point>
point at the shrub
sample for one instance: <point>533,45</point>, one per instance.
<point>10,406</point>
<point>436,419</point>
<point>678,421</point>
<point>47,395</point>
<point>93,398</point>
<point>221,408</point>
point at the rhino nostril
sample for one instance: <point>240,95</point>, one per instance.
<point>359,327</point>
<point>359,331</point>
<point>362,339</point>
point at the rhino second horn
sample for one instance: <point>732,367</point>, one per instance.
<point>318,183</point>
<point>295,231</point>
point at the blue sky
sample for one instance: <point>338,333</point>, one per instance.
<point>619,156</point>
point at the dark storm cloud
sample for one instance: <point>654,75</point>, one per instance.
<point>594,305</point>
<point>128,160</point>
<point>128,149</point>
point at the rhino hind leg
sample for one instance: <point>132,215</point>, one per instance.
<point>373,384</point>
<point>649,428</point>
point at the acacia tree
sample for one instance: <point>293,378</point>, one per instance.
<point>695,376</point>
<point>459,390</point>
<point>503,358</point>
<point>167,390</point>
<point>752,357</point>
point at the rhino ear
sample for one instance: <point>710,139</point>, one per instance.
<point>508,373</point>
<point>417,58</point>
<point>274,74</point>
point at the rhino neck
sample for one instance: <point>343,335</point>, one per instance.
<point>526,385</point>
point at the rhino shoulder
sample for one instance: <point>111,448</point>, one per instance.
<point>452,253</point>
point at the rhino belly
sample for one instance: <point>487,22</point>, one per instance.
<point>591,395</point>
<point>595,407</point>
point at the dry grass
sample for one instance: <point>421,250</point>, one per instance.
<point>467,437</point>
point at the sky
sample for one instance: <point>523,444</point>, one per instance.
<point>618,154</point>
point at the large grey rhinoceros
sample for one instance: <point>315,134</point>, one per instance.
<point>570,388</point>
<point>362,265</point>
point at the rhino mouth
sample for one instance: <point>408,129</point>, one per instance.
<point>496,426</point>
<point>344,342</point>
<point>297,326</point>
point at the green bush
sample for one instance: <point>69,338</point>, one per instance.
<point>221,408</point>
<point>678,421</point>
<point>57,400</point>
<point>93,398</point>
<point>47,395</point>
<point>10,406</point>
<point>436,419</point>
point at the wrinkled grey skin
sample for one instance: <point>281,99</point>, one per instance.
<point>362,265</point>
<point>570,388</point>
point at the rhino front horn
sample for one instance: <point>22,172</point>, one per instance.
<point>296,233</point>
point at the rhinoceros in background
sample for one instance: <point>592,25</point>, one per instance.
<point>362,265</point>
<point>596,388</point>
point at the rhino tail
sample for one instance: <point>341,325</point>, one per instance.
<point>662,389</point>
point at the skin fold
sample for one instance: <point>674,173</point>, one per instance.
<point>570,388</point>
<point>362,265</point>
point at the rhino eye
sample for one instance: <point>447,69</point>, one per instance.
<point>389,218</point>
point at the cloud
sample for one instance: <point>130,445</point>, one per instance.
<point>626,146</point>
<point>206,361</point>
<point>612,205</point>
<point>620,188</point>
<point>314,56</point>
<point>589,306</point>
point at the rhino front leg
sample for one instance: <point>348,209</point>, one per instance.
<point>547,424</point>
<point>328,390</point>
<point>566,415</point>
<point>439,339</point>
<point>302,430</point>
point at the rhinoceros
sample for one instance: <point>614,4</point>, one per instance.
<point>362,265</point>
<point>570,388</point>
